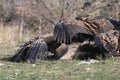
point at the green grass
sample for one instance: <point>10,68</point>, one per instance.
<point>57,70</point>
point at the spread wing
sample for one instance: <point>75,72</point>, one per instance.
<point>65,30</point>
<point>31,51</point>
<point>35,49</point>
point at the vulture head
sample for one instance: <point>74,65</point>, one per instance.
<point>108,41</point>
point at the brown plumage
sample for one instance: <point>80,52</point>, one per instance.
<point>108,41</point>
<point>31,51</point>
<point>71,31</point>
<point>36,49</point>
<point>65,30</point>
<point>105,24</point>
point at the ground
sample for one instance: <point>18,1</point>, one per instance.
<point>108,69</point>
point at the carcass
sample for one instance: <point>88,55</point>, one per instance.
<point>73,32</point>
<point>41,47</point>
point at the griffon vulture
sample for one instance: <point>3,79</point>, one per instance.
<point>65,30</point>
<point>39,48</point>
<point>68,31</point>
<point>108,42</point>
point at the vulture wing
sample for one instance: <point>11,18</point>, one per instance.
<point>105,24</point>
<point>31,51</point>
<point>65,30</point>
<point>36,49</point>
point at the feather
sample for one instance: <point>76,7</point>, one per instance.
<point>31,52</point>
<point>108,41</point>
<point>65,31</point>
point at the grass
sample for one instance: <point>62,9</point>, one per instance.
<point>51,70</point>
<point>58,70</point>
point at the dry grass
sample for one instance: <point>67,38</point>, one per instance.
<point>10,40</point>
<point>8,35</point>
